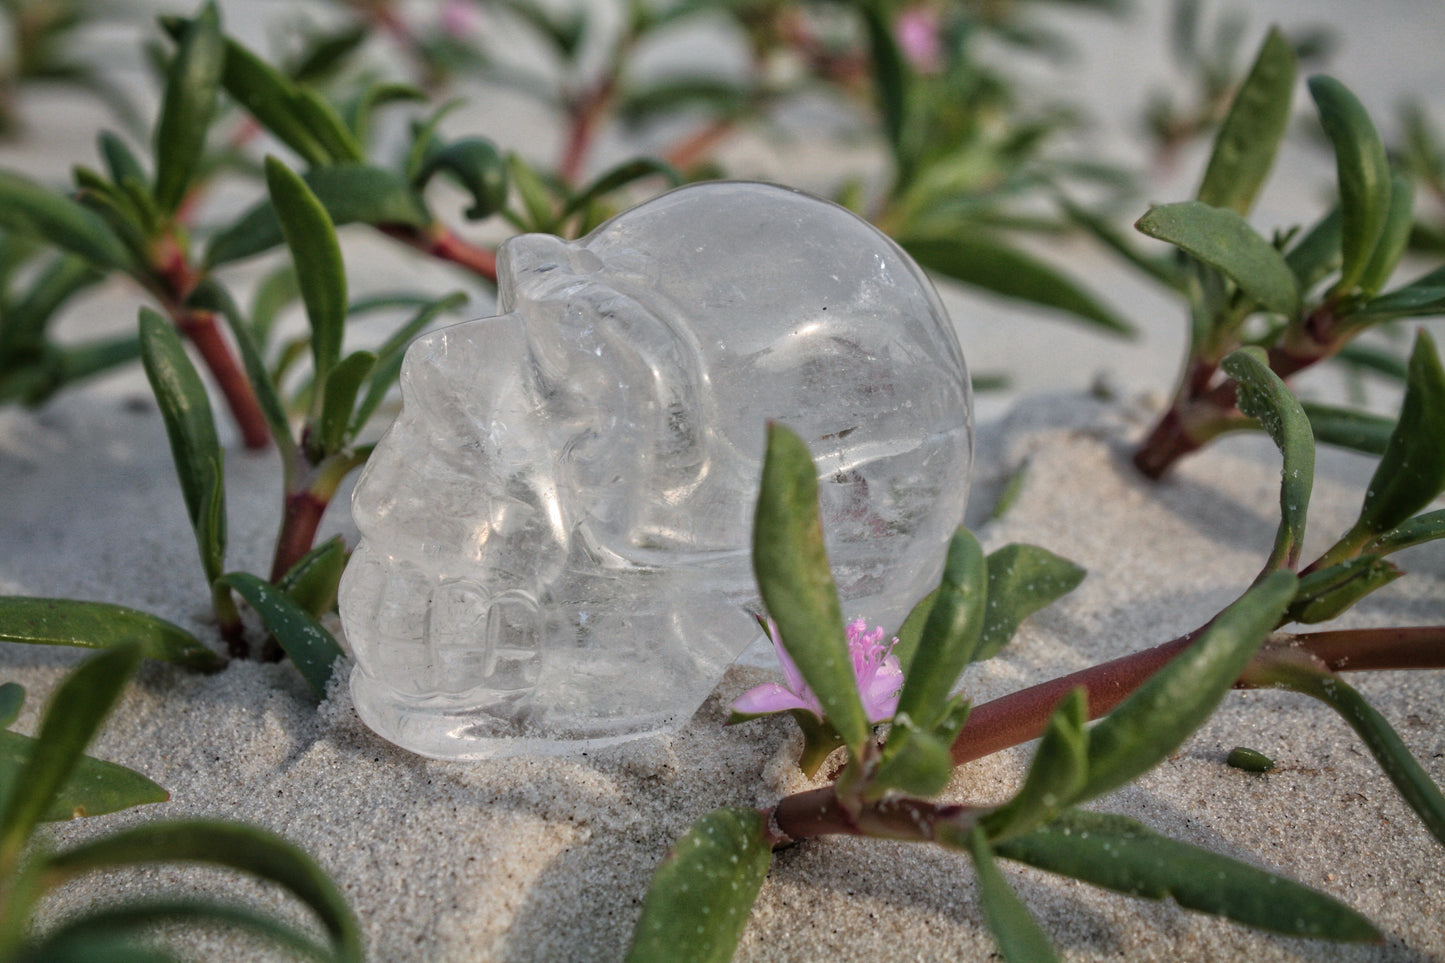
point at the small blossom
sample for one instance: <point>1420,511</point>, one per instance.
<point>919,38</point>
<point>461,18</point>
<point>876,668</point>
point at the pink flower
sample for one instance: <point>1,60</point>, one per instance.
<point>879,675</point>
<point>461,18</point>
<point>917,30</point>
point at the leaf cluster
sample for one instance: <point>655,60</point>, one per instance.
<point>47,778</point>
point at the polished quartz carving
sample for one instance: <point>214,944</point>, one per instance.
<point>555,531</point>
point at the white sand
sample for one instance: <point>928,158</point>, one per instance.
<point>547,859</point>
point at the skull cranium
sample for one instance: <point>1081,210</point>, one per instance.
<point>556,528</point>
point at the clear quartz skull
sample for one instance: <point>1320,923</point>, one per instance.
<point>556,529</point>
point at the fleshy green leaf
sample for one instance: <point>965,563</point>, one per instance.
<point>477,166</point>
<point>1056,775</point>
<point>987,263</point>
<point>1422,297</point>
<point>619,177</point>
<point>916,761</point>
<point>245,848</point>
<point>1122,855</point>
<point>1317,253</point>
<point>890,84</point>
<point>341,389</point>
<point>311,583</point>
<point>1248,140</point>
<point>1225,241</point>
<point>1414,531</point>
<point>1014,929</point>
<point>1248,760</point>
<point>1394,236</point>
<point>1363,172</point>
<point>536,200</point>
<point>1411,473</point>
<point>12,697</point>
<point>74,713</point>
<point>99,625</point>
<point>702,893</point>
<point>950,636</point>
<point>1326,592</point>
<point>312,239</point>
<point>187,106</point>
<point>93,788</point>
<point>1021,580</point>
<point>77,938</point>
<point>797,585</point>
<point>1348,428</point>
<point>311,648</point>
<point>267,95</point>
<point>1412,782</point>
<point>191,429</point>
<point>1164,711</point>
<point>30,210</point>
<point>1263,395</point>
<point>350,193</point>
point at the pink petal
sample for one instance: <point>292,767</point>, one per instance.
<point>771,697</point>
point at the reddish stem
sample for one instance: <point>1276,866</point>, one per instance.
<point>299,521</point>
<point>819,812</point>
<point>584,117</point>
<point>440,242</point>
<point>201,328</point>
<point>1020,716</point>
<point>699,145</point>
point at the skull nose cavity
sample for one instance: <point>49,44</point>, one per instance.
<point>482,641</point>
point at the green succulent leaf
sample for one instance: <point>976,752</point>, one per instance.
<point>1422,297</point>
<point>30,210</point>
<point>341,390</point>
<point>350,193</point>
<point>191,428</point>
<point>187,106</point>
<point>1223,240</point>
<point>1014,929</point>
<point>102,933</point>
<point>1122,855</point>
<point>74,713</point>
<point>476,165</point>
<point>1394,236</point>
<point>1056,775</point>
<point>950,636</point>
<point>12,697</point>
<point>26,319</point>
<point>1262,395</point>
<point>537,200</point>
<point>311,583</point>
<point>1411,473</point>
<point>1165,710</point>
<point>1348,428</point>
<point>987,263</point>
<point>249,849</point>
<point>1410,779</point>
<point>310,647</point>
<point>1363,172</point>
<point>619,177</point>
<point>1245,147</point>
<point>120,160</point>
<point>1248,760</point>
<point>93,788</point>
<point>1414,531</point>
<point>702,893</point>
<point>916,762</point>
<point>100,625</point>
<point>1317,252</point>
<point>312,239</point>
<point>1327,592</point>
<point>270,97</point>
<point>797,585</point>
<point>1022,579</point>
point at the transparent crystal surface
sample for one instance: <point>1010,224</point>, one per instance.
<point>555,531</point>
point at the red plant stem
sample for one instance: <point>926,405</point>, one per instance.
<point>584,117</point>
<point>819,812</point>
<point>697,146</point>
<point>441,242</point>
<point>201,328</point>
<point>299,521</point>
<point>1020,716</point>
